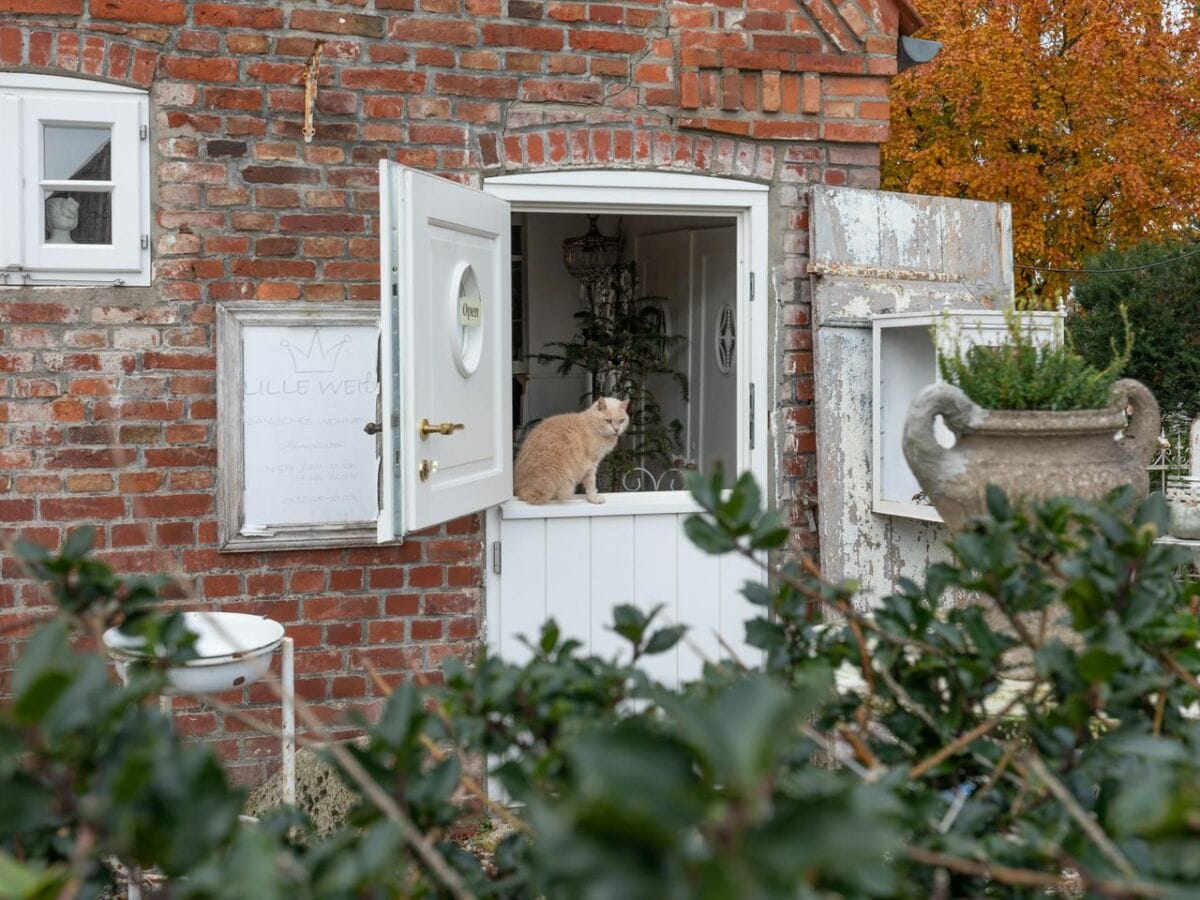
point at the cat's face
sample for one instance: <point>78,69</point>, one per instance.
<point>613,415</point>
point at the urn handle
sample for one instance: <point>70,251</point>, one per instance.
<point>1144,422</point>
<point>929,460</point>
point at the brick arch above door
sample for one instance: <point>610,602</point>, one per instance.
<point>627,146</point>
<point>94,56</point>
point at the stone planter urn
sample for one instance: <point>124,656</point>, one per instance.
<point>1034,454</point>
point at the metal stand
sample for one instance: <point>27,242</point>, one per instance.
<point>133,890</point>
<point>288,690</point>
<point>287,696</point>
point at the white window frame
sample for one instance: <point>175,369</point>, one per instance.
<point>26,103</point>
<point>622,192</point>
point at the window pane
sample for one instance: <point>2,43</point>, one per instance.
<point>78,217</point>
<point>75,153</point>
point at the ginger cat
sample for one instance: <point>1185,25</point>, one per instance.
<point>562,451</point>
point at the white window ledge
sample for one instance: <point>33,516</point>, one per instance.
<point>648,503</point>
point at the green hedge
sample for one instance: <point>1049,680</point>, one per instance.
<point>1164,310</point>
<point>953,781</point>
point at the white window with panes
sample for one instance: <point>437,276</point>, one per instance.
<point>75,186</point>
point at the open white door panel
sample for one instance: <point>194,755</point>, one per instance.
<point>445,324</point>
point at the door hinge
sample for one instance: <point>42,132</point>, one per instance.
<point>145,242</point>
<point>143,132</point>
<point>751,287</point>
<point>752,415</point>
<point>496,557</point>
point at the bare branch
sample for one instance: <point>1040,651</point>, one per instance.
<point>1005,759</point>
<point>253,721</point>
<point>907,701</point>
<point>468,783</point>
<point>1089,825</point>
<point>1025,877</point>
<point>966,738</point>
<point>1187,677</point>
<point>370,787</point>
<point>732,653</point>
<point>85,842</point>
<point>1160,710</point>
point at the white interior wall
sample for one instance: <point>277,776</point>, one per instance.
<point>552,300</point>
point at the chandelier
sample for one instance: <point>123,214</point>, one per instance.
<point>591,255</point>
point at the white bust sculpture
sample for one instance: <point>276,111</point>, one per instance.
<point>62,216</point>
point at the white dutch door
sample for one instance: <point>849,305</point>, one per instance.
<point>446,359</point>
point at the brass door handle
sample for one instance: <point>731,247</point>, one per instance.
<point>425,429</point>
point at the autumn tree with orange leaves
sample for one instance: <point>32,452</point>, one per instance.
<point>1083,114</point>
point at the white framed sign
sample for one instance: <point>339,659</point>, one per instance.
<point>296,385</point>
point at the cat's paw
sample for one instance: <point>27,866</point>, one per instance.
<point>595,498</point>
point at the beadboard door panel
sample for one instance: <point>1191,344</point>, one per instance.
<point>576,569</point>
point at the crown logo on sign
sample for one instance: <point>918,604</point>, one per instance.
<point>316,360</point>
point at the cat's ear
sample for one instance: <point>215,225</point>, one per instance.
<point>625,405</point>
<point>601,405</point>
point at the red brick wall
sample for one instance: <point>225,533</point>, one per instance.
<point>107,405</point>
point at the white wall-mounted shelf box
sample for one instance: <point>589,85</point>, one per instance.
<point>904,360</point>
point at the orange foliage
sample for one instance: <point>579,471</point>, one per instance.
<point>1083,114</point>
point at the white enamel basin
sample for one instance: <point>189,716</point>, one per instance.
<point>234,651</point>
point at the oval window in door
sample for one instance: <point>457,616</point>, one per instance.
<point>467,322</point>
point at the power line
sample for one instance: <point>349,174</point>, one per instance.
<point>1161,262</point>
